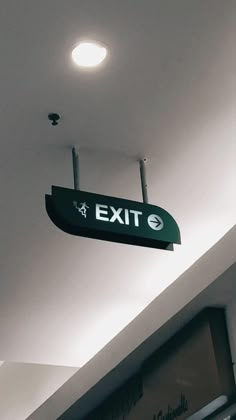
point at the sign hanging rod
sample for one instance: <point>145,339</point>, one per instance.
<point>142,164</point>
<point>76,174</point>
<point>75,160</point>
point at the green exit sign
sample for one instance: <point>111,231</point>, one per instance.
<point>112,219</point>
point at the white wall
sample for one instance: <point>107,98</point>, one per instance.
<point>24,387</point>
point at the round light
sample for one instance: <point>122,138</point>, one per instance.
<point>89,54</point>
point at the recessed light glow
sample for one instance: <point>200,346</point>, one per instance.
<point>89,54</point>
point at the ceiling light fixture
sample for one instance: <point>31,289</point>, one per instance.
<point>89,54</point>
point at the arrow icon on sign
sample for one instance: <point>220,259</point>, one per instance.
<point>155,222</point>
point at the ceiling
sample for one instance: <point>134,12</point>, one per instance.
<point>167,92</point>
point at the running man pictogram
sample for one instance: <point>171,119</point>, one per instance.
<point>82,208</point>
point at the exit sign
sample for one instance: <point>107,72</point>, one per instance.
<point>112,219</point>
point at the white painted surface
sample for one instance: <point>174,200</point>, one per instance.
<point>23,387</point>
<point>173,98</point>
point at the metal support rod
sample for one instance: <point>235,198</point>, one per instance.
<point>75,160</point>
<point>142,164</point>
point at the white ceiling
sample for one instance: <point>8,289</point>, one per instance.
<point>168,91</point>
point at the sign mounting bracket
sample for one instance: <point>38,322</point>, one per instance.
<point>75,161</point>
<point>142,165</point>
